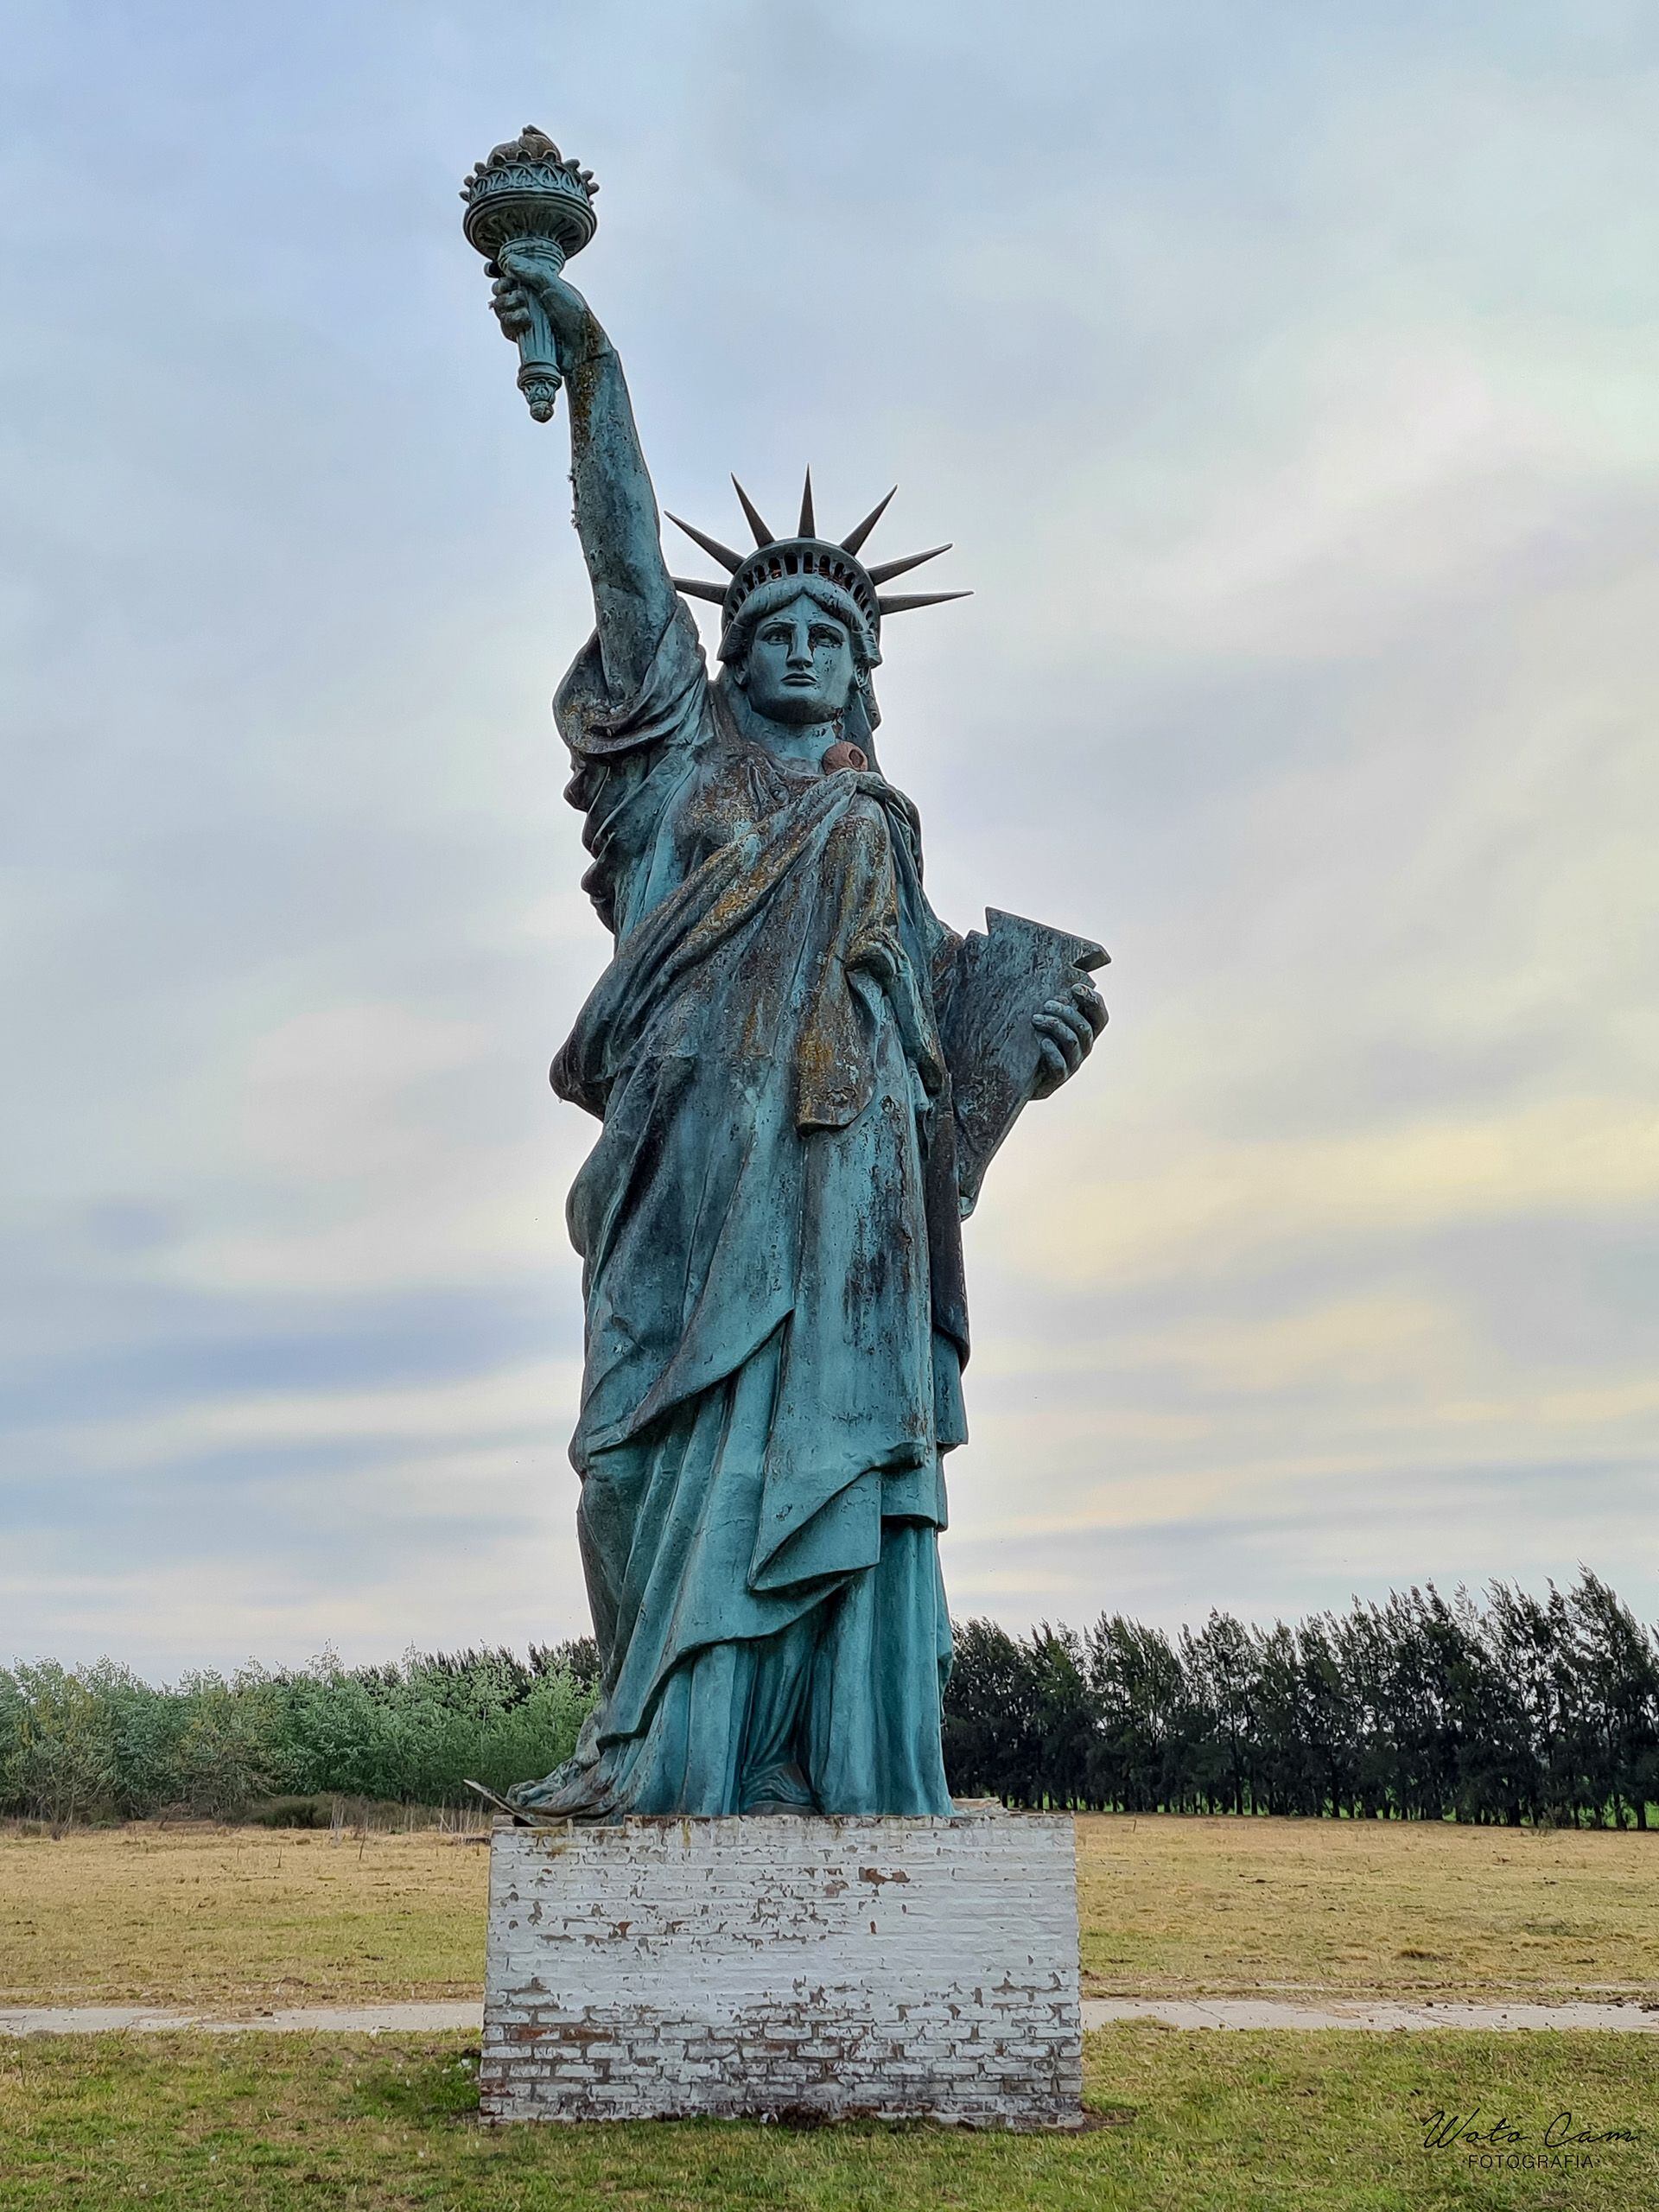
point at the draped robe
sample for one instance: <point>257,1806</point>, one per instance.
<point>770,1233</point>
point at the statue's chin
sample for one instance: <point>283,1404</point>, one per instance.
<point>798,709</point>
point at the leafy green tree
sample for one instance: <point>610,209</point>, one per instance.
<point>61,1754</point>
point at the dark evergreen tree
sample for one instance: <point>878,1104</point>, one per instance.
<point>1138,1759</point>
<point>991,1747</point>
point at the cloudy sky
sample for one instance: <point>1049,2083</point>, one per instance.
<point>1287,377</point>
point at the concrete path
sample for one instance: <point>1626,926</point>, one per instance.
<point>1374,2018</point>
<point>331,2019</point>
<point>1378,2016</point>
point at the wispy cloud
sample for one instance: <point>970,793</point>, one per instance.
<point>1288,390</point>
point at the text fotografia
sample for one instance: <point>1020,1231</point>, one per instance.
<point>1563,2144</point>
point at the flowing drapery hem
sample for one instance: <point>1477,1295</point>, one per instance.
<point>721,1692</point>
<point>838,1712</point>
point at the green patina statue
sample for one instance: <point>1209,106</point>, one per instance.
<point>800,1074</point>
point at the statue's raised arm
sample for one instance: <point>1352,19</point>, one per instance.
<point>616,509</point>
<point>528,208</point>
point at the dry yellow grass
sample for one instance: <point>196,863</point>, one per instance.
<point>230,1919</point>
<point>1222,1906</point>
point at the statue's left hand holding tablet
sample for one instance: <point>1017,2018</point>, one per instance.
<point>1066,1030</point>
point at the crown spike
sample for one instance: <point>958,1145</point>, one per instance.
<point>891,569</point>
<point>729,560</point>
<point>857,536</point>
<point>758,524</point>
<point>695,588</point>
<point>901,603</point>
<point>809,527</point>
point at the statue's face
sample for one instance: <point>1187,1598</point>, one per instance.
<point>799,668</point>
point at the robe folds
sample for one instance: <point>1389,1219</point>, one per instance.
<point>770,1233</point>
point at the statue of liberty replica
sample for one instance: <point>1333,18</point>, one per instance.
<point>799,1073</point>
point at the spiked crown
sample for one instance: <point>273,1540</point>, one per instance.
<point>808,555</point>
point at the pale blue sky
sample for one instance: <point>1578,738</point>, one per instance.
<point>1287,377</point>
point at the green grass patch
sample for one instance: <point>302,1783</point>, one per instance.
<point>1184,2123</point>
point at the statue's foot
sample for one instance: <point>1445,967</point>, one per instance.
<point>536,1796</point>
<point>778,1788</point>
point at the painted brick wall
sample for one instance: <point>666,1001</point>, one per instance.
<point>777,1965</point>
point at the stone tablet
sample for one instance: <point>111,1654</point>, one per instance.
<point>998,981</point>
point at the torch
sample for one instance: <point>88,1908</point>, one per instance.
<point>529,195</point>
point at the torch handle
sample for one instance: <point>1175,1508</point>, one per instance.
<point>539,365</point>
<point>538,355</point>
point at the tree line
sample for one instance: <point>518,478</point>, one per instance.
<point>1511,1709</point>
<point>96,1743</point>
<point>1423,1708</point>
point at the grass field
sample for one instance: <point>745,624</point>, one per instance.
<point>1184,2123</point>
<point>230,1919</point>
<point>1173,1905</point>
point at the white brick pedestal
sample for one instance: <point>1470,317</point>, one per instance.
<point>785,1965</point>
